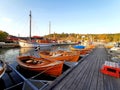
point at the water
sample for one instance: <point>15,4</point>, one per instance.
<point>10,55</point>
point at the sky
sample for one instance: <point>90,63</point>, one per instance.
<point>66,16</point>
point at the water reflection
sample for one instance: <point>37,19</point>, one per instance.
<point>10,55</point>
<point>25,51</point>
<point>63,47</point>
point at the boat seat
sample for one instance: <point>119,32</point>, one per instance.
<point>29,61</point>
<point>40,61</point>
<point>56,55</point>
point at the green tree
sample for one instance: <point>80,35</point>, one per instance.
<point>3,36</point>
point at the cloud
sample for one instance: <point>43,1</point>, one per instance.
<point>5,19</point>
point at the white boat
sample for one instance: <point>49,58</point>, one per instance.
<point>24,43</point>
<point>115,48</point>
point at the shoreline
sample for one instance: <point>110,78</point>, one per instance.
<point>9,45</point>
<point>15,45</point>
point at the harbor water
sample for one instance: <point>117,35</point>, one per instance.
<point>10,54</point>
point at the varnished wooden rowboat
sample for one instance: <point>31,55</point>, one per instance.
<point>42,65</point>
<point>60,55</point>
<point>2,68</point>
<point>82,52</point>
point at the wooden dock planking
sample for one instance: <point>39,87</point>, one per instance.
<point>95,77</point>
<point>87,76</point>
<point>74,79</point>
<point>100,79</point>
<point>84,77</point>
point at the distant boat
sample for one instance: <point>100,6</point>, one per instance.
<point>41,65</point>
<point>77,47</point>
<point>83,51</point>
<point>34,43</point>
<point>25,43</point>
<point>2,68</point>
<point>116,48</point>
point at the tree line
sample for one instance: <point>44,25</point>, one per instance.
<point>74,37</point>
<point>90,37</point>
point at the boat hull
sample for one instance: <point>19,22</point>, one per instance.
<point>30,44</point>
<point>2,68</point>
<point>46,66</point>
<point>61,57</point>
<point>117,49</point>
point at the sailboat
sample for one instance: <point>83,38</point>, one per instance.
<point>34,43</point>
<point>29,44</point>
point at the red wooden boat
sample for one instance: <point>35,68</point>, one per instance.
<point>111,68</point>
<point>53,68</point>
<point>60,55</point>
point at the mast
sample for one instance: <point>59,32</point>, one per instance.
<point>49,27</point>
<point>30,25</point>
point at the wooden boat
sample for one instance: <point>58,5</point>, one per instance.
<point>60,55</point>
<point>82,51</point>
<point>53,68</point>
<point>2,68</point>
